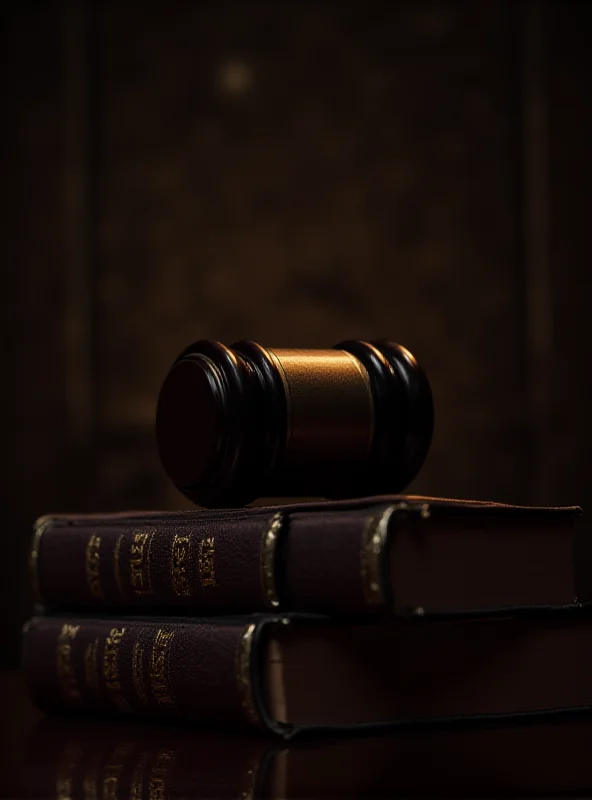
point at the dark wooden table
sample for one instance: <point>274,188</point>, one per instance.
<point>84,758</point>
<point>19,718</point>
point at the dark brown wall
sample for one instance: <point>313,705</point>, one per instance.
<point>570,158</point>
<point>296,174</point>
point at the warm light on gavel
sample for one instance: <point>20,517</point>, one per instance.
<point>242,422</point>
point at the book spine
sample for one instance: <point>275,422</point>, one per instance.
<point>329,562</point>
<point>214,566</point>
<point>195,671</point>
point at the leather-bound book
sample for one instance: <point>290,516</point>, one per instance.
<point>403,554</point>
<point>290,674</point>
<point>84,759</point>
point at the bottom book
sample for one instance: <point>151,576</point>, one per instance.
<point>292,675</point>
<point>122,761</point>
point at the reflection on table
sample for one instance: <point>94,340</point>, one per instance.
<point>75,758</point>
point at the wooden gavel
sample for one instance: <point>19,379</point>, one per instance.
<point>242,422</point>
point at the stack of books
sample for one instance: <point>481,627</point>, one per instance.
<point>355,615</point>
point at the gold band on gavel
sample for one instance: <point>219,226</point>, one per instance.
<point>329,404</point>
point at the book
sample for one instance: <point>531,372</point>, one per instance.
<point>403,554</point>
<point>93,758</point>
<point>291,674</point>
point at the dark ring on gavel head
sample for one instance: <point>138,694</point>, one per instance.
<point>242,422</point>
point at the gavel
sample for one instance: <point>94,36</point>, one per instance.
<point>237,423</point>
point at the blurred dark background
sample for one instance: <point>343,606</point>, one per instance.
<point>294,173</point>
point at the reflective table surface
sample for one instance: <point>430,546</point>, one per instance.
<point>63,758</point>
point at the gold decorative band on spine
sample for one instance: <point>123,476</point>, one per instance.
<point>41,526</point>
<point>372,553</point>
<point>268,553</point>
<point>116,564</point>
<point>243,675</point>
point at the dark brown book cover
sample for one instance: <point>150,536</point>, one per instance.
<point>292,674</point>
<point>85,759</point>
<point>400,553</point>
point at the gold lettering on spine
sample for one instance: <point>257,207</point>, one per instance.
<point>64,667</point>
<point>116,564</point>
<point>65,771</point>
<point>205,561</point>
<point>93,566</point>
<point>91,667</point>
<point>159,668</point>
<point>138,673</point>
<point>180,565</point>
<point>243,674</point>
<point>372,553</point>
<point>41,526</point>
<point>268,553</point>
<point>140,562</point>
<point>157,787</point>
<point>113,769</point>
<point>111,668</point>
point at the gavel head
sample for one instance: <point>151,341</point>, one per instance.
<point>242,422</point>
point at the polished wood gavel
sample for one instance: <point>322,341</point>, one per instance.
<point>241,422</point>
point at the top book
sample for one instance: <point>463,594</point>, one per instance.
<point>406,555</point>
